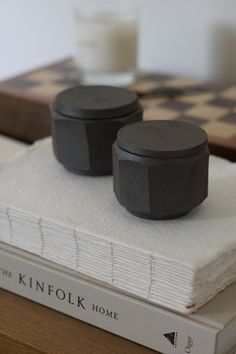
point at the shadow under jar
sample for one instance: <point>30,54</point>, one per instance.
<point>160,168</point>
<point>85,123</point>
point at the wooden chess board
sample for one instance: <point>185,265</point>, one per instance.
<point>25,114</point>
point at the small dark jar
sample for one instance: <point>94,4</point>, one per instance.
<point>160,168</point>
<point>85,123</point>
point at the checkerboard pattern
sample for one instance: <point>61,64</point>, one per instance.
<point>214,109</point>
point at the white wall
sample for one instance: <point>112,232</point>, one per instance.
<point>34,32</point>
<point>193,37</point>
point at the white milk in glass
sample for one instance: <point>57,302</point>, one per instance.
<point>107,48</point>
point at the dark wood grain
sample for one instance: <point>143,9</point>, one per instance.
<point>23,118</point>
<point>10,345</point>
<point>29,328</point>
<point>25,115</point>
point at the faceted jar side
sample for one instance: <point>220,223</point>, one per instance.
<point>158,188</point>
<point>85,145</point>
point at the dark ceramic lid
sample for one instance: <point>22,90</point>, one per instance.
<point>165,139</point>
<point>96,102</point>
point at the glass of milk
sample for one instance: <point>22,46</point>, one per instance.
<point>107,41</point>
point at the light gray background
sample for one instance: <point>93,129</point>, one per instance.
<point>191,37</point>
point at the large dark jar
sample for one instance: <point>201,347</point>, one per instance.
<point>85,122</point>
<point>160,168</point>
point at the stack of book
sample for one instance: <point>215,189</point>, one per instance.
<point>67,243</point>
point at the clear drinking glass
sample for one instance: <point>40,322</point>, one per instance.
<point>107,41</point>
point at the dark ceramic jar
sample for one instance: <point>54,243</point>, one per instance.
<point>160,168</point>
<point>85,123</point>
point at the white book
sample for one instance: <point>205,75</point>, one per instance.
<point>77,222</point>
<point>211,330</point>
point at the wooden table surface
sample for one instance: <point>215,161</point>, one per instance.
<point>29,328</point>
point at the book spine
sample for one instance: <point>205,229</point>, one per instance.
<point>120,314</point>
